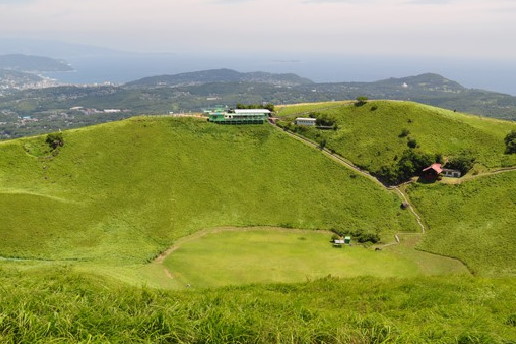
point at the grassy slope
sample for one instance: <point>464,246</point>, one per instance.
<point>123,191</point>
<point>369,138</point>
<point>61,306</point>
<point>473,221</point>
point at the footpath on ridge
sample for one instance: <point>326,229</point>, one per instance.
<point>346,163</point>
<point>398,188</point>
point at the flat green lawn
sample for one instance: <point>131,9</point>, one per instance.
<point>271,255</point>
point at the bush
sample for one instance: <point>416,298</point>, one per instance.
<point>361,101</point>
<point>464,162</point>
<point>404,133</point>
<point>268,106</point>
<point>510,142</point>
<point>55,140</point>
<point>412,143</point>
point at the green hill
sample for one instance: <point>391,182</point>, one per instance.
<point>473,221</point>
<point>30,63</point>
<point>80,221</point>
<point>124,191</point>
<point>376,134</point>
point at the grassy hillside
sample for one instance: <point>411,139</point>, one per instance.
<point>370,135</point>
<point>473,221</point>
<point>61,306</point>
<point>124,191</point>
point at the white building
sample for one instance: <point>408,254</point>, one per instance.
<point>305,121</point>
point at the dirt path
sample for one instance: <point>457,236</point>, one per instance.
<point>348,164</point>
<point>411,208</point>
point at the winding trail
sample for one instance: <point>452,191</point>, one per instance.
<point>411,208</point>
<point>398,189</point>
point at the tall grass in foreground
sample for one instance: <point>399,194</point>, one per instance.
<point>61,306</point>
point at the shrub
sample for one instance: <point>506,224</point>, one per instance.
<point>55,140</point>
<point>463,162</point>
<point>361,101</point>
<point>412,143</point>
<point>510,142</point>
<point>404,133</point>
<point>322,143</point>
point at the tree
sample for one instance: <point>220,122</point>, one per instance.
<point>404,132</point>
<point>463,162</point>
<point>411,143</point>
<point>55,140</point>
<point>361,101</point>
<point>322,143</point>
<point>267,106</point>
<point>510,142</point>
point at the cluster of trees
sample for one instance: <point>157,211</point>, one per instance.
<point>411,163</point>
<point>360,235</point>
<point>361,101</point>
<point>324,120</point>
<point>267,106</point>
<point>462,162</point>
<point>510,142</point>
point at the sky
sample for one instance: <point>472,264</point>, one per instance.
<point>441,28</point>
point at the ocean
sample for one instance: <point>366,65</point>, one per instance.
<point>491,75</point>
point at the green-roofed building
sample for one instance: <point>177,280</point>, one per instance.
<point>239,116</point>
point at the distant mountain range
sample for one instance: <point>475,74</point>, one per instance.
<point>29,63</point>
<point>218,75</point>
<point>427,88</point>
<point>32,111</point>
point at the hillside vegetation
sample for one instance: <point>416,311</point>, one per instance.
<point>62,306</point>
<point>83,218</point>
<point>473,221</point>
<point>124,191</point>
<point>376,135</point>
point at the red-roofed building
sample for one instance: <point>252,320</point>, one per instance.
<point>433,171</point>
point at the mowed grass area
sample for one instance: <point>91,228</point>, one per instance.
<point>245,256</point>
<point>474,221</point>
<point>369,135</point>
<point>59,305</point>
<point>124,191</point>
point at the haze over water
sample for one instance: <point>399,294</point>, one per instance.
<point>481,74</point>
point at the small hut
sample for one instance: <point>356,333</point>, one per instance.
<point>432,172</point>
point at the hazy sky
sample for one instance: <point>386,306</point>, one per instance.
<point>451,28</point>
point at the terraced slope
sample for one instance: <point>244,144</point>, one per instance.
<point>124,191</point>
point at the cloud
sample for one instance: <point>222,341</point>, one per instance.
<point>429,2</point>
<point>225,2</point>
<point>339,1</point>
<point>15,2</point>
